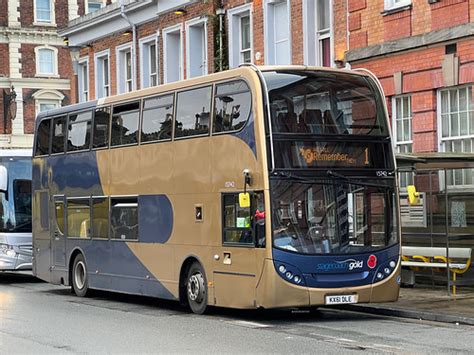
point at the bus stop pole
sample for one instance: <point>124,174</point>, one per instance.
<point>446,209</point>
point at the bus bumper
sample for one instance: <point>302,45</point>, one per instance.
<point>274,292</point>
<point>15,259</point>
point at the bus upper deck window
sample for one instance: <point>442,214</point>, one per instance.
<point>125,124</point>
<point>193,112</point>
<point>59,135</point>
<point>101,128</point>
<point>79,131</point>
<point>232,106</point>
<point>42,140</point>
<point>157,118</point>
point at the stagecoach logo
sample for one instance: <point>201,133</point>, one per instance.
<point>348,264</point>
<point>312,155</point>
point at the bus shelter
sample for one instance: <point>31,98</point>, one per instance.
<point>441,221</point>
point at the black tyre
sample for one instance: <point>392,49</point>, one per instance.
<point>80,281</point>
<point>196,288</point>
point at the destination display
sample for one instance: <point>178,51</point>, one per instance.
<point>298,154</point>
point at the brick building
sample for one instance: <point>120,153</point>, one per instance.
<point>145,43</point>
<point>423,53</point>
<point>35,61</point>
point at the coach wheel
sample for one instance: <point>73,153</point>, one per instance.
<point>80,282</point>
<point>196,289</point>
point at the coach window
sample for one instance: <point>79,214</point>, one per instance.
<point>78,218</point>
<point>243,225</point>
<point>101,128</point>
<point>157,121</point>
<point>193,112</point>
<point>59,130</point>
<point>42,138</point>
<point>125,124</point>
<point>79,131</point>
<point>124,218</point>
<point>100,217</point>
<point>232,106</point>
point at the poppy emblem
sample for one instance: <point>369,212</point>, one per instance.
<point>372,261</point>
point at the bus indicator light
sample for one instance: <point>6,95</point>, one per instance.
<point>372,261</point>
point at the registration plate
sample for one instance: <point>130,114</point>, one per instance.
<point>341,299</point>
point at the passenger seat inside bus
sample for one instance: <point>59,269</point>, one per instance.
<point>312,119</point>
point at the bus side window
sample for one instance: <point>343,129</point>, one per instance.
<point>101,128</point>
<point>124,218</point>
<point>78,218</point>
<point>232,105</point>
<point>157,118</point>
<point>125,124</point>
<point>79,131</point>
<point>42,138</point>
<point>59,135</point>
<point>193,112</point>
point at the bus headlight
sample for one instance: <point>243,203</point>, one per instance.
<point>7,250</point>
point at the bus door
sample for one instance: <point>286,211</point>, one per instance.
<point>236,268</point>
<point>58,239</point>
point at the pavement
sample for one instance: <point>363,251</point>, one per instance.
<point>426,302</point>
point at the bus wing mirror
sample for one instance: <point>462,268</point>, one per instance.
<point>413,195</point>
<point>3,179</point>
<point>244,200</point>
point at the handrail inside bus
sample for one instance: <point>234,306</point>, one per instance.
<point>267,99</point>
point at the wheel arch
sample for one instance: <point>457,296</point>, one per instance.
<point>72,256</point>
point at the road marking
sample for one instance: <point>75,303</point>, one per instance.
<point>248,324</point>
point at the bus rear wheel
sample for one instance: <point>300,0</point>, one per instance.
<point>196,289</point>
<point>80,281</point>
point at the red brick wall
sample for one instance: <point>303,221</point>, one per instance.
<point>449,13</point>
<point>4,14</point>
<point>27,13</point>
<point>397,25</point>
<point>4,60</point>
<point>369,24</point>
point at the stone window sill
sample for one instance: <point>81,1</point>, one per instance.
<point>396,10</point>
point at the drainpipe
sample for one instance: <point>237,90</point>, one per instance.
<point>134,43</point>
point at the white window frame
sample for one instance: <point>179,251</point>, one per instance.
<point>145,76</point>
<point>311,48</point>
<point>47,96</point>
<point>235,46</point>
<point>54,73</point>
<point>102,2</point>
<point>100,56</point>
<point>442,140</point>
<point>165,32</point>
<point>394,4</point>
<point>270,47</point>
<point>397,144</point>
<point>83,62</point>
<point>188,24</point>
<point>122,81</point>
<point>42,22</point>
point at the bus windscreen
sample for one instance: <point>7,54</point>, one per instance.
<point>325,103</point>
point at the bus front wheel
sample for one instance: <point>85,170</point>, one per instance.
<point>80,282</point>
<point>196,289</point>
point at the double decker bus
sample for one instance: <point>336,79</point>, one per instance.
<point>254,187</point>
<point>15,210</point>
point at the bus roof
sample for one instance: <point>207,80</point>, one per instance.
<point>16,152</point>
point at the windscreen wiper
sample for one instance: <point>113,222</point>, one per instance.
<point>353,182</point>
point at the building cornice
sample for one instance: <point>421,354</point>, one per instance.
<point>408,43</point>
<point>9,34</point>
<point>36,83</point>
